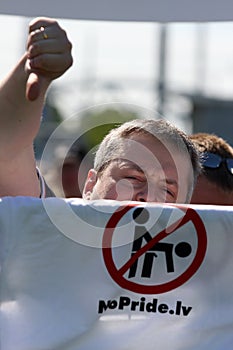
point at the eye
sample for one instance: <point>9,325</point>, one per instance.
<point>168,190</point>
<point>136,179</point>
<point>131,177</point>
<point>170,193</point>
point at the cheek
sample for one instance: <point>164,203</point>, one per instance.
<point>185,180</point>
<point>124,190</point>
<point>105,188</point>
<point>117,190</point>
<point>110,192</point>
<point>183,192</point>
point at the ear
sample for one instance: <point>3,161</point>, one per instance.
<point>89,184</point>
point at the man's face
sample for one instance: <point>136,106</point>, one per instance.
<point>145,171</point>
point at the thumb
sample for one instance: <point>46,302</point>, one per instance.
<point>33,86</point>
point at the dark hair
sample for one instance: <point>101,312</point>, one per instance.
<point>212,143</point>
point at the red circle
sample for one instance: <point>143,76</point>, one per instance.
<point>192,215</point>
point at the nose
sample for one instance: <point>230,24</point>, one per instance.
<point>146,196</point>
<point>151,193</point>
<point>141,197</point>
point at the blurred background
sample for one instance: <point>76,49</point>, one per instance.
<point>123,70</point>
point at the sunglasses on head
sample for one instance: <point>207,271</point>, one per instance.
<point>213,161</point>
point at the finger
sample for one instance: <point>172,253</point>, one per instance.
<point>41,22</point>
<point>47,39</point>
<point>42,34</point>
<point>37,28</point>
<point>44,29</point>
<point>49,46</point>
<point>51,63</point>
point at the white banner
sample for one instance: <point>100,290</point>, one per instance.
<point>128,10</point>
<point>108,275</point>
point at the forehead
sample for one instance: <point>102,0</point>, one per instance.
<point>149,150</point>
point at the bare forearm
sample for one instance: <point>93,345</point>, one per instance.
<point>19,117</point>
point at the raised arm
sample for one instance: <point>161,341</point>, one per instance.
<point>22,94</point>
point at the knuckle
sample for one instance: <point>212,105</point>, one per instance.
<point>42,21</point>
<point>69,46</point>
<point>71,61</point>
<point>40,62</point>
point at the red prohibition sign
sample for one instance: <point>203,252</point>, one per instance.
<point>118,274</point>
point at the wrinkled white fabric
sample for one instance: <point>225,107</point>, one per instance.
<point>59,289</point>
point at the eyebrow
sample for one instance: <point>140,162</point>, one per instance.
<point>131,165</point>
<point>171,182</point>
